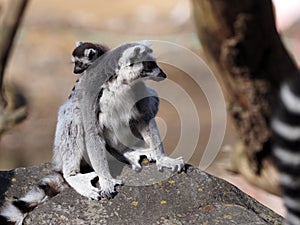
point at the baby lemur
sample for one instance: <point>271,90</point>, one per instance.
<point>85,54</point>
<point>110,109</point>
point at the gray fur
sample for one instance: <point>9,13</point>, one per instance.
<point>97,121</point>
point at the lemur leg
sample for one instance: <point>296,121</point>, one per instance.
<point>71,173</point>
<point>97,154</point>
<point>82,183</point>
<point>68,151</point>
<point>150,133</point>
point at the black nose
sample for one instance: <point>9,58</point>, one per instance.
<point>162,74</point>
<point>77,70</point>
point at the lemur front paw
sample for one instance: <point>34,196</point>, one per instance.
<point>107,187</point>
<point>135,156</point>
<point>170,163</point>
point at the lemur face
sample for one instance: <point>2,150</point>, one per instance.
<point>85,54</point>
<point>139,62</point>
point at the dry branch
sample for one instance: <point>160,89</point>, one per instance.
<point>8,31</point>
<point>10,116</point>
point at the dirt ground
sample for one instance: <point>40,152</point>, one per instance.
<point>40,66</point>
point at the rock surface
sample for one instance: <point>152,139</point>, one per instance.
<point>148,197</point>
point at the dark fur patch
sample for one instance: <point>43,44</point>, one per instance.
<point>4,221</point>
<point>133,127</point>
<point>95,181</point>
<point>73,89</point>
<point>112,78</point>
<point>70,128</point>
<point>148,107</point>
<point>49,189</point>
<point>79,51</point>
<point>115,153</point>
<point>23,206</point>
<point>85,167</point>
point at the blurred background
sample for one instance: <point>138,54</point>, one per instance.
<point>41,68</point>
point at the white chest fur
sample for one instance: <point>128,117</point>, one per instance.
<point>117,106</point>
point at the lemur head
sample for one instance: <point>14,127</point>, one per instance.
<point>137,61</point>
<point>85,54</point>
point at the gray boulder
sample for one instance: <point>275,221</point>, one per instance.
<point>148,197</point>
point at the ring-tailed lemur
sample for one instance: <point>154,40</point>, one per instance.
<point>286,148</point>
<point>111,109</point>
<point>85,54</point>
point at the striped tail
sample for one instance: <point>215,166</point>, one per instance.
<point>286,149</point>
<point>15,212</point>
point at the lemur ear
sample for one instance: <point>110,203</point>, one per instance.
<point>90,53</point>
<point>137,50</point>
<point>78,43</point>
<point>132,54</point>
<point>146,43</point>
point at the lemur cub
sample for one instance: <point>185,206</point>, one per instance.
<point>85,54</point>
<point>110,109</point>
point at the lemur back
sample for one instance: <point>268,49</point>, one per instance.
<point>286,149</point>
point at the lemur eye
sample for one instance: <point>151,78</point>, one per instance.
<point>91,55</point>
<point>149,65</point>
<point>131,64</point>
<point>78,63</point>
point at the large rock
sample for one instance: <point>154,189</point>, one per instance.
<point>148,197</point>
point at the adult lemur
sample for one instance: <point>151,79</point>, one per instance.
<point>110,109</point>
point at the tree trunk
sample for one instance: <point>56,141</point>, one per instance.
<point>243,48</point>
<point>8,31</point>
<point>10,116</point>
